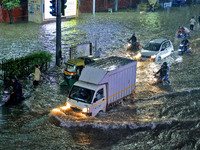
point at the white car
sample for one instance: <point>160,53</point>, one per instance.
<point>156,49</point>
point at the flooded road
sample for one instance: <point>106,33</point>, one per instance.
<point>160,117</point>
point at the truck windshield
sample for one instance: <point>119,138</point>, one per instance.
<point>71,68</point>
<point>152,46</point>
<point>81,94</point>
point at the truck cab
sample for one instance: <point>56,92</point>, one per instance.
<point>87,98</point>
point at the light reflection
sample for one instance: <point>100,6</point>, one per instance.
<point>151,22</point>
<point>111,67</point>
<point>65,108</point>
<point>69,29</point>
<point>56,111</point>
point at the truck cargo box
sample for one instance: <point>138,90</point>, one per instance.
<point>119,75</point>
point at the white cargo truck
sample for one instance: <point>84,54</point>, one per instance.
<point>103,83</point>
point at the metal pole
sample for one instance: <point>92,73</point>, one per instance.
<point>93,7</point>
<point>116,5</point>
<point>58,33</point>
<point>76,10</point>
<point>95,45</point>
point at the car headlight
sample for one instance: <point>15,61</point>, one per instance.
<point>85,110</point>
<point>153,56</point>
<point>138,55</point>
<point>67,105</point>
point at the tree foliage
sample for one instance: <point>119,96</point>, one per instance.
<point>10,4</point>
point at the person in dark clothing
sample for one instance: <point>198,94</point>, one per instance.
<point>133,40</point>
<point>16,93</point>
<point>185,43</point>
<point>151,8</point>
<point>199,20</point>
<point>167,72</point>
<point>163,73</point>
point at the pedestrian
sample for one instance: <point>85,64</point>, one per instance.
<point>163,73</point>
<point>192,22</point>
<point>167,72</point>
<point>37,75</point>
<point>16,93</point>
<point>98,53</point>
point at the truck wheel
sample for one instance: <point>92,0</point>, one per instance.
<point>100,113</point>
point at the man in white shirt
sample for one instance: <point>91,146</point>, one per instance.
<point>185,31</point>
<point>192,22</point>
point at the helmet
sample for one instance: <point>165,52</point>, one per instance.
<point>165,63</point>
<point>14,79</point>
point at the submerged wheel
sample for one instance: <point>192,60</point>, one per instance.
<point>100,114</point>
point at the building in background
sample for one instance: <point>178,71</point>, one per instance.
<point>32,10</point>
<point>104,5</point>
<point>19,13</point>
<point>35,11</point>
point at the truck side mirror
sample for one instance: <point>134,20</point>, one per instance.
<point>95,99</point>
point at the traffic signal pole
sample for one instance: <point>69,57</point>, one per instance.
<point>58,34</point>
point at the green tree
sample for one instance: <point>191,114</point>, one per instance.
<point>10,5</point>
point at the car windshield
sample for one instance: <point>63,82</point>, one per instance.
<point>81,94</point>
<point>71,67</point>
<point>152,46</point>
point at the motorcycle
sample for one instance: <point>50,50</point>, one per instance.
<point>182,50</point>
<point>133,47</point>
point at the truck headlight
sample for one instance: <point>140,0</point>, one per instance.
<point>85,110</point>
<point>153,56</point>
<point>138,55</point>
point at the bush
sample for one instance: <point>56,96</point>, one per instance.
<point>25,65</point>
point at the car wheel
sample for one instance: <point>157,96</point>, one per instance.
<point>159,58</point>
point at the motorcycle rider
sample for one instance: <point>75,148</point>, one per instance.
<point>180,32</point>
<point>185,43</point>
<point>133,40</point>
<point>185,31</point>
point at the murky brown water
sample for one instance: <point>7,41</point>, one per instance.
<point>168,122</point>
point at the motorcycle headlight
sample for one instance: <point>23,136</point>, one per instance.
<point>153,56</point>
<point>129,44</point>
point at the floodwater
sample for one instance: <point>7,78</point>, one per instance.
<point>160,117</point>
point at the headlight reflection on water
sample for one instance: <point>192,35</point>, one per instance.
<point>56,111</point>
<point>138,56</point>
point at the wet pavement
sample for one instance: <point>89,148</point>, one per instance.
<point>160,117</point>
